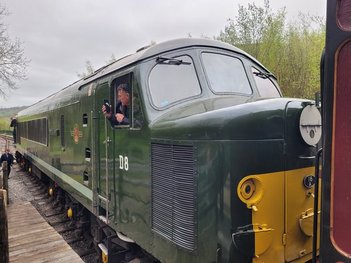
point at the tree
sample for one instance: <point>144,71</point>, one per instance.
<point>291,51</point>
<point>13,63</point>
<point>89,69</point>
<point>112,59</point>
<point>253,27</point>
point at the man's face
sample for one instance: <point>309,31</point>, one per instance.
<point>123,97</point>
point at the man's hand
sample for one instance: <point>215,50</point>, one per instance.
<point>119,117</point>
<point>107,114</point>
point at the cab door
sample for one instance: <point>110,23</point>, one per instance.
<point>103,159</point>
<point>130,185</point>
<point>120,141</point>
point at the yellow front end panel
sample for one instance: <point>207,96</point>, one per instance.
<point>282,214</point>
<point>267,216</point>
<point>299,215</point>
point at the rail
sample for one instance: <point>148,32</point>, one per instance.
<point>6,138</point>
<point>8,132</point>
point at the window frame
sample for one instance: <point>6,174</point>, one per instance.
<point>254,67</point>
<point>233,55</point>
<point>29,130</point>
<point>129,78</point>
<point>180,101</point>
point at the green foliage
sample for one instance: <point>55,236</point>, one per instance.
<point>4,124</point>
<point>291,51</point>
<point>6,114</point>
<point>10,112</point>
<point>89,69</point>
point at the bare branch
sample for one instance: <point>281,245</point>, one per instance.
<point>13,63</point>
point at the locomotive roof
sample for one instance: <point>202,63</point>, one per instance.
<point>150,51</point>
<point>56,100</point>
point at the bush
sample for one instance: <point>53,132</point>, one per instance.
<point>291,51</point>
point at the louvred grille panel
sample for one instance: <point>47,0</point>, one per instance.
<point>173,193</point>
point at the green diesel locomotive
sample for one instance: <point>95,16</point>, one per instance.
<point>207,164</point>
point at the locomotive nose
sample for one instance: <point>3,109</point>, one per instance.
<point>280,203</point>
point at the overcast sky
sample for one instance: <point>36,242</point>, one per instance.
<point>60,36</point>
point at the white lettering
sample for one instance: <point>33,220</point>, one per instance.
<point>126,165</point>
<point>123,163</point>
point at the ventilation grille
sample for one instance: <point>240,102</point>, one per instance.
<point>173,193</point>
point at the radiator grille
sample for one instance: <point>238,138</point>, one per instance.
<point>173,193</point>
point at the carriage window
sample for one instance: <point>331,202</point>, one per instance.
<point>226,74</point>
<point>173,79</point>
<point>264,84</point>
<point>36,130</point>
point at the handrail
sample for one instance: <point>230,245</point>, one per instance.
<point>315,208</point>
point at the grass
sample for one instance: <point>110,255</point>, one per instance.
<point>6,114</point>
<point>5,124</point>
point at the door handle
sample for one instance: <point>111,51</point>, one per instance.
<point>107,141</point>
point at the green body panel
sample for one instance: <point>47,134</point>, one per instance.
<point>64,163</point>
<point>232,136</point>
<point>248,139</point>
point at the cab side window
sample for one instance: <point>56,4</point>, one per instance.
<point>124,111</point>
<point>117,110</point>
<point>265,85</point>
<point>137,113</point>
<point>122,102</point>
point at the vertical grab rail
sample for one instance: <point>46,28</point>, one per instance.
<point>315,208</point>
<point>107,171</point>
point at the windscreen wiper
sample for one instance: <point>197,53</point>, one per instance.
<point>171,61</point>
<point>264,75</point>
